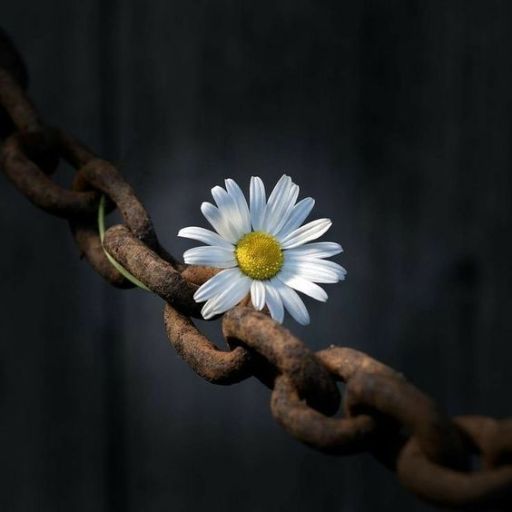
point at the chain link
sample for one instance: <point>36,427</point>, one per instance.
<point>383,413</point>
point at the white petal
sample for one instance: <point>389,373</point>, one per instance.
<point>316,249</point>
<point>314,262</point>
<point>327,264</point>
<point>258,202</point>
<point>204,235</point>
<point>341,270</point>
<point>229,210</point>
<point>211,256</point>
<point>219,222</point>
<point>258,295</point>
<point>310,231</point>
<point>283,183</point>
<point>282,209</point>
<point>232,294</point>
<point>238,197</point>
<point>276,202</point>
<point>294,305</point>
<point>216,284</point>
<point>303,285</point>
<point>297,216</point>
<point>312,272</point>
<point>274,301</point>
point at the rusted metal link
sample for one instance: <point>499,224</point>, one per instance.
<point>34,183</point>
<point>102,175</point>
<point>481,489</point>
<point>494,438</point>
<point>203,356</point>
<point>16,109</point>
<point>85,228</point>
<point>197,274</point>
<point>337,436</point>
<point>85,234</point>
<point>288,355</point>
<point>341,436</point>
<point>498,444</point>
<point>345,362</point>
<point>17,104</point>
<point>397,399</point>
<point>97,174</point>
<point>157,274</point>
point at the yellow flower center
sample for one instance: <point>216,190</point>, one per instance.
<point>259,255</point>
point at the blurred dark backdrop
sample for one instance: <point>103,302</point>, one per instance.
<point>394,115</point>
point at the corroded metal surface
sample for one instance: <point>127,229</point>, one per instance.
<point>156,273</point>
<point>382,412</point>
<point>209,362</point>
<point>487,489</point>
<point>285,353</point>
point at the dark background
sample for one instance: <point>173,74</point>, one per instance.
<point>394,115</point>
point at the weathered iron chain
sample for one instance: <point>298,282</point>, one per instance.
<point>383,413</point>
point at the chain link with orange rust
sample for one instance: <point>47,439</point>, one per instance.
<point>384,414</point>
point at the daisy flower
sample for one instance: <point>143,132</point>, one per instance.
<point>263,249</point>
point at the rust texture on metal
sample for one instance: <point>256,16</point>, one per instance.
<point>382,413</point>
<point>149,268</point>
<point>203,356</point>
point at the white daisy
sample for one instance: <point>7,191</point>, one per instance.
<point>263,250</point>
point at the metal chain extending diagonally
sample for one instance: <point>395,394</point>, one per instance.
<point>433,455</point>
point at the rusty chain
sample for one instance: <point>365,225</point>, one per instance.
<point>433,455</point>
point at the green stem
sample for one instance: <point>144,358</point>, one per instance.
<point>118,266</point>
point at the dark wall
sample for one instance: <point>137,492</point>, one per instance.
<point>394,115</point>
